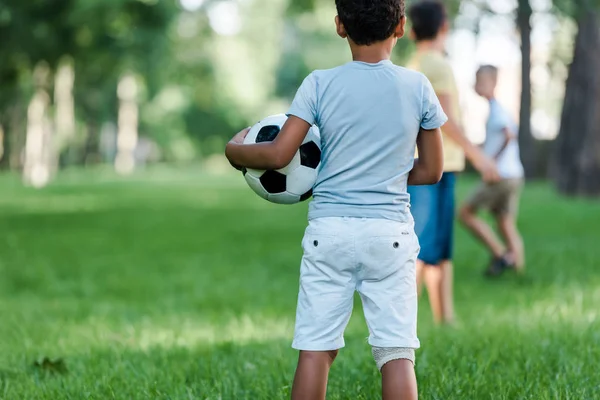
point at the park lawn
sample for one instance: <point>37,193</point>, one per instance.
<point>180,285</point>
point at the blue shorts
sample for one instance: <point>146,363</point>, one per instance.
<point>432,208</point>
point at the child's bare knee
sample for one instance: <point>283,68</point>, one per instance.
<point>465,214</point>
<point>505,220</point>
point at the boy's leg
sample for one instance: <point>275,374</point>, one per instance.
<point>327,285</point>
<point>387,286</point>
<point>506,216</point>
<point>433,275</point>
<point>425,213</point>
<point>447,291</point>
<point>310,382</point>
<point>399,381</point>
<point>481,230</point>
<point>446,244</point>
<point>510,233</point>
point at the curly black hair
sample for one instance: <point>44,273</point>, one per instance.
<point>427,18</point>
<point>370,21</point>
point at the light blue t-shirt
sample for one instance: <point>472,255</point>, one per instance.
<point>509,162</point>
<point>369,116</point>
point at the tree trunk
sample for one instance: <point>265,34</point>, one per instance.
<point>577,168</point>
<point>8,131</point>
<point>14,136</point>
<point>64,118</point>
<point>3,147</point>
<point>91,151</point>
<point>39,149</point>
<point>526,141</point>
<point>127,136</point>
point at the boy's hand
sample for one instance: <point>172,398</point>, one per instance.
<point>240,136</point>
<point>238,139</point>
<point>487,168</point>
<point>269,155</point>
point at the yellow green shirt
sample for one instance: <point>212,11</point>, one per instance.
<point>439,72</point>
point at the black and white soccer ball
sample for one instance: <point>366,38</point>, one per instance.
<point>294,183</point>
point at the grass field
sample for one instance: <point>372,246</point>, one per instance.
<point>176,285</point>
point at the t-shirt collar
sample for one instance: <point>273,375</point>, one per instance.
<point>363,64</point>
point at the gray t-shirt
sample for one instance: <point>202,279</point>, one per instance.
<point>509,162</point>
<point>369,116</point>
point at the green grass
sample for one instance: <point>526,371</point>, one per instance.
<point>178,285</point>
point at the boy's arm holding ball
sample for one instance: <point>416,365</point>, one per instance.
<point>269,155</point>
<point>429,167</point>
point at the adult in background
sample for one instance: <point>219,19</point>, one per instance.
<point>433,207</point>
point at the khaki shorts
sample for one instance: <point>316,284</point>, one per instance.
<point>499,198</point>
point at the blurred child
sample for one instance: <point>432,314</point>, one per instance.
<point>500,198</point>
<point>360,237</point>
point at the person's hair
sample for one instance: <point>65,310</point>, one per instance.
<point>427,18</point>
<point>368,21</point>
<point>489,70</point>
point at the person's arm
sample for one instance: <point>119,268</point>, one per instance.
<point>269,155</point>
<point>429,167</point>
<point>508,137</point>
<point>474,154</point>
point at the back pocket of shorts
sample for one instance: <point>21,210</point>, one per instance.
<point>320,247</point>
<point>388,250</point>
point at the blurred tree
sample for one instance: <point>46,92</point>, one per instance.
<point>577,164</point>
<point>31,32</point>
<point>113,38</point>
<point>106,38</point>
<point>296,7</point>
<point>526,140</point>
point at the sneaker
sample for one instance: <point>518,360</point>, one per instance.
<point>497,267</point>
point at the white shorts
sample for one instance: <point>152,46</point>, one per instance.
<point>375,257</point>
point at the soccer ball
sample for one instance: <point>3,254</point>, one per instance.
<point>294,183</point>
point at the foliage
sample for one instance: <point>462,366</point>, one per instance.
<point>575,8</point>
<point>198,85</point>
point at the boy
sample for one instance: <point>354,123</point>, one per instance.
<point>502,197</point>
<point>360,236</point>
<point>433,206</point>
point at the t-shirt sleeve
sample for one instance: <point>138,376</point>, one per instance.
<point>432,116</point>
<point>304,105</point>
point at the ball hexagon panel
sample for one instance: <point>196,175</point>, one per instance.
<point>273,182</point>
<point>257,173</point>
<point>291,167</point>
<point>301,180</point>
<point>251,136</point>
<point>284,198</point>
<point>256,186</point>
